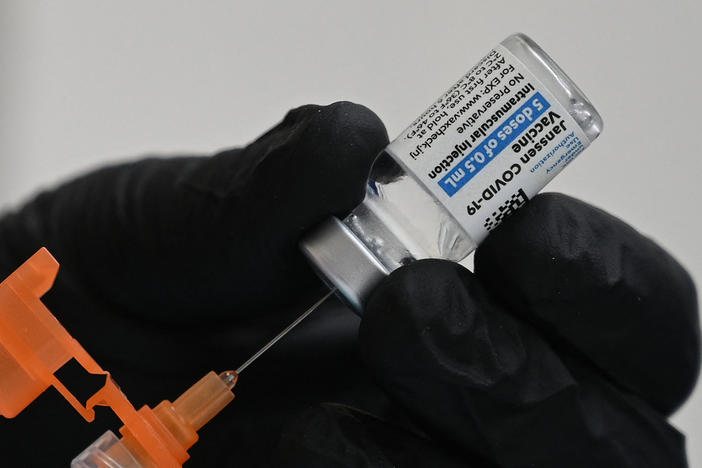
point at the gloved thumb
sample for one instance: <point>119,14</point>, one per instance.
<point>212,236</point>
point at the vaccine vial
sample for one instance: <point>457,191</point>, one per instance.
<point>487,145</point>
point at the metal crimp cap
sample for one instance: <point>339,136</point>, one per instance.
<point>343,262</point>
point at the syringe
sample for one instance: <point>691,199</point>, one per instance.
<point>177,423</point>
<point>34,346</point>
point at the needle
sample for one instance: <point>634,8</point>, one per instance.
<point>284,332</point>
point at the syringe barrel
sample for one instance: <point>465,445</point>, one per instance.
<point>108,450</point>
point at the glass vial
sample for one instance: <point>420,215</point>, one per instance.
<point>486,146</point>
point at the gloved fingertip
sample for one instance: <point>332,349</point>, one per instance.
<point>601,289</point>
<point>337,149</point>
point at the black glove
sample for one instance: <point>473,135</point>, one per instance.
<point>171,268</point>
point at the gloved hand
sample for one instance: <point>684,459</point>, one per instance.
<point>570,345</point>
<point>174,267</point>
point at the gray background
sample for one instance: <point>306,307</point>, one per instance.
<point>84,82</point>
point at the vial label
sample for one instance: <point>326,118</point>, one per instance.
<point>490,142</point>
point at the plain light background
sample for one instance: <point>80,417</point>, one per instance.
<point>84,82</point>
